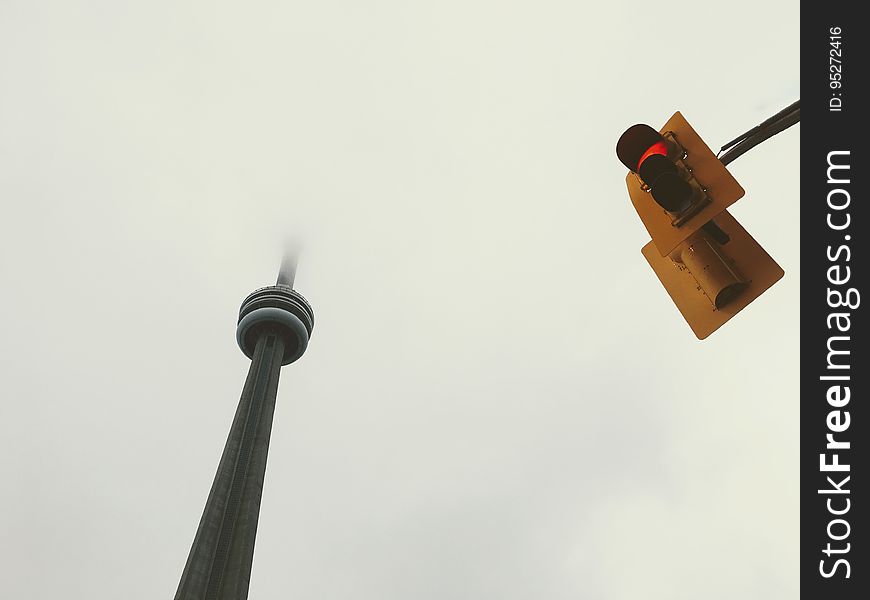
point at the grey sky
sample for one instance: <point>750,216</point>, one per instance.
<point>499,399</point>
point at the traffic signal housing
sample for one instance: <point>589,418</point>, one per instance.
<point>676,183</point>
<point>654,158</point>
<point>708,263</point>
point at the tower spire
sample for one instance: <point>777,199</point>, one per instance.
<point>287,272</point>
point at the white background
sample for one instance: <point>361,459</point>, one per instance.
<point>499,400</point>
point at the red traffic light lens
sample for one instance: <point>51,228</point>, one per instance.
<point>637,143</point>
<point>659,148</point>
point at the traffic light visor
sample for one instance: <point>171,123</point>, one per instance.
<point>637,144</point>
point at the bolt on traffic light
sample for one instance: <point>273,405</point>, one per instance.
<point>709,265</point>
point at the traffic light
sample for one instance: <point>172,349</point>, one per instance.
<point>673,161</point>
<point>654,158</point>
<point>709,265</point>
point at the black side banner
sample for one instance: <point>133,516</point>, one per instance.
<point>835,369</point>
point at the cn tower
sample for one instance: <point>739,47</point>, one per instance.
<point>273,330</point>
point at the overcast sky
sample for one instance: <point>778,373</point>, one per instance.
<point>499,400</point>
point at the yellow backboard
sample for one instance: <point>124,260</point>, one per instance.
<point>743,253</point>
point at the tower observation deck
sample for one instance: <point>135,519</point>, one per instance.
<point>274,327</point>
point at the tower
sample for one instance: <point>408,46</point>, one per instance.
<point>274,327</point>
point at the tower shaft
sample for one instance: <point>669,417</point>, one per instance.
<point>219,564</point>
